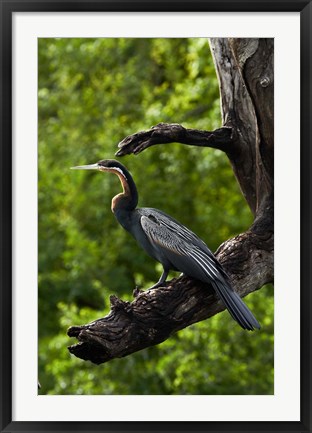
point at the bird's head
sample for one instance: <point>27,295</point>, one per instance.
<point>129,198</point>
<point>110,165</point>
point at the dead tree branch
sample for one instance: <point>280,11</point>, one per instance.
<point>168,133</point>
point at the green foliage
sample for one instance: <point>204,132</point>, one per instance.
<point>92,93</point>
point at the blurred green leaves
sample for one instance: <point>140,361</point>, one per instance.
<point>91,94</point>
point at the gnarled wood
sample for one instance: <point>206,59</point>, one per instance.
<point>164,133</point>
<point>245,72</point>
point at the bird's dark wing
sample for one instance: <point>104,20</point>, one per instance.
<point>176,245</point>
<point>180,246</point>
<point>173,225</point>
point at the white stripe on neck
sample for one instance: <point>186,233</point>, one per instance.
<point>118,169</point>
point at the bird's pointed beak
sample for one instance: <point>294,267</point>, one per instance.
<point>86,167</point>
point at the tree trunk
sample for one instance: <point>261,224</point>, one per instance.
<point>245,72</point>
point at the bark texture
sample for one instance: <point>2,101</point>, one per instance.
<point>245,72</point>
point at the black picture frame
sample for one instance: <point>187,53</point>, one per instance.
<point>8,7</point>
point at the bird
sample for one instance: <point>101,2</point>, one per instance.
<point>172,244</point>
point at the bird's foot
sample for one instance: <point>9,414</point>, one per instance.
<point>158,284</point>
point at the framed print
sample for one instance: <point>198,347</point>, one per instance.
<point>104,324</point>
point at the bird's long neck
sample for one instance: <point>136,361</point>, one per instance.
<point>128,199</point>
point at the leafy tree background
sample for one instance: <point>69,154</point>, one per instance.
<point>92,93</point>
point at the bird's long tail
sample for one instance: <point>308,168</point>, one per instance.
<point>238,310</point>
